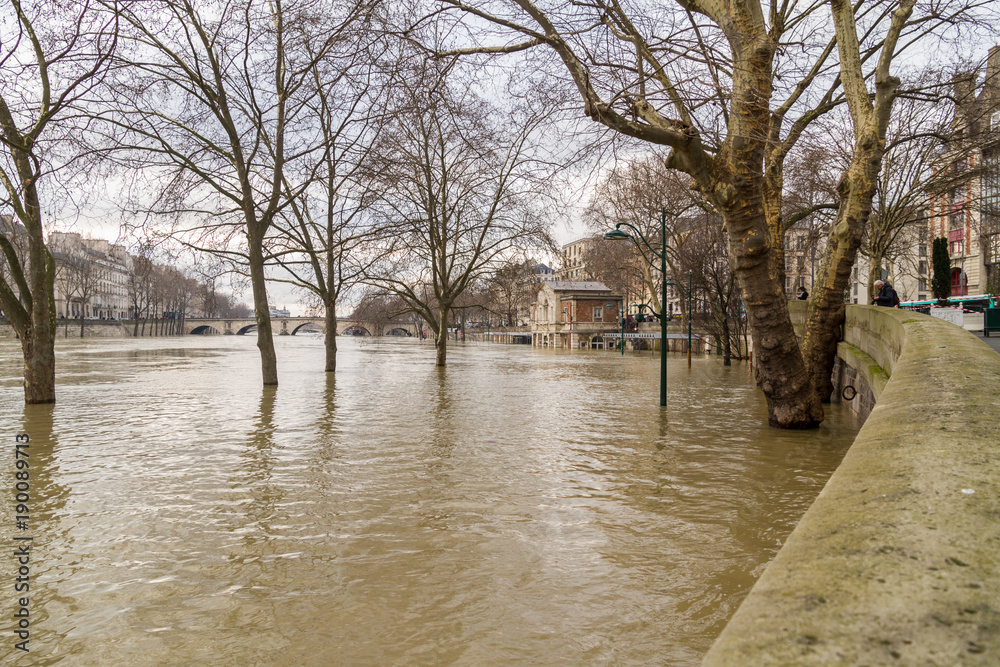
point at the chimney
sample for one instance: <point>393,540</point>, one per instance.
<point>991,88</point>
<point>964,84</point>
<point>993,68</point>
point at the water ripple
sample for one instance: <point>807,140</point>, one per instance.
<point>520,506</point>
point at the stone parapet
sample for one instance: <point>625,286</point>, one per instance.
<point>898,559</point>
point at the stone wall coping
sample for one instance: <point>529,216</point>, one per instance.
<point>898,559</point>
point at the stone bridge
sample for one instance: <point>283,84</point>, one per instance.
<point>289,326</point>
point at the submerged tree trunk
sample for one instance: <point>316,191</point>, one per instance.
<point>727,346</point>
<point>38,341</point>
<point>330,338</point>
<point>442,337</point>
<point>780,370</point>
<point>265,338</point>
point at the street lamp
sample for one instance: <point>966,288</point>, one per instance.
<point>616,235</point>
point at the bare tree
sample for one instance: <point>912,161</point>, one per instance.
<point>379,309</point>
<point>50,55</point>
<point>321,238</point>
<point>730,87</point>
<point>138,285</point>
<point>460,185</point>
<point>210,111</point>
<point>704,257</point>
<point>510,288</point>
<point>648,196</point>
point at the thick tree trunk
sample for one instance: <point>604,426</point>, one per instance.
<point>780,370</point>
<point>38,339</point>
<point>38,342</point>
<point>265,337</point>
<point>442,337</point>
<point>739,194</point>
<point>38,348</point>
<point>330,339</point>
<point>827,309</point>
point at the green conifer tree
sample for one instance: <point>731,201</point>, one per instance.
<point>941,261</point>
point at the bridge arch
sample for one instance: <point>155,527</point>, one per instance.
<point>399,331</point>
<point>205,330</point>
<point>309,326</point>
<point>356,330</point>
<point>247,329</point>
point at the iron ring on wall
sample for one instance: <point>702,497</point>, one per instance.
<point>853,391</point>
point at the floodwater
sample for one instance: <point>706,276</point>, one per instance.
<point>524,507</point>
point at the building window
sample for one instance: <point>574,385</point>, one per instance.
<point>598,313</point>
<point>922,268</point>
<point>993,249</point>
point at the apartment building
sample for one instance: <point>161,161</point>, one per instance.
<point>968,212</point>
<point>91,277</point>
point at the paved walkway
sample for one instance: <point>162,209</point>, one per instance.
<point>993,341</point>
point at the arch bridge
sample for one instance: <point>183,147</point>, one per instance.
<point>289,326</point>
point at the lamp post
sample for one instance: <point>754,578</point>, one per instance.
<point>690,273</point>
<point>616,235</point>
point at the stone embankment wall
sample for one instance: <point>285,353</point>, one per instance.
<point>898,559</point>
<point>95,328</point>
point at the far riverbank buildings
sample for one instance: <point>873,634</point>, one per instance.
<point>968,214</point>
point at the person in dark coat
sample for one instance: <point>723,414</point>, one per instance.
<point>885,295</point>
<point>803,294</point>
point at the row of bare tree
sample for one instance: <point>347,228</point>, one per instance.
<point>415,147</point>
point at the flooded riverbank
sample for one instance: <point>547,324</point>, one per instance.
<point>518,507</point>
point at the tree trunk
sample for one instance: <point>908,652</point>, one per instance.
<point>826,307</point>
<point>780,369</point>
<point>38,340</point>
<point>83,323</point>
<point>442,337</point>
<point>38,349</point>
<point>874,273</point>
<point>265,338</point>
<point>727,347</point>
<point>330,339</point>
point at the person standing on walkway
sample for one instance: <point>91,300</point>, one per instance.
<point>803,294</point>
<point>885,295</point>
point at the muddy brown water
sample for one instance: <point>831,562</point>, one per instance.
<point>521,506</point>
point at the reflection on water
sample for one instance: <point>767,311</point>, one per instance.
<point>519,507</point>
